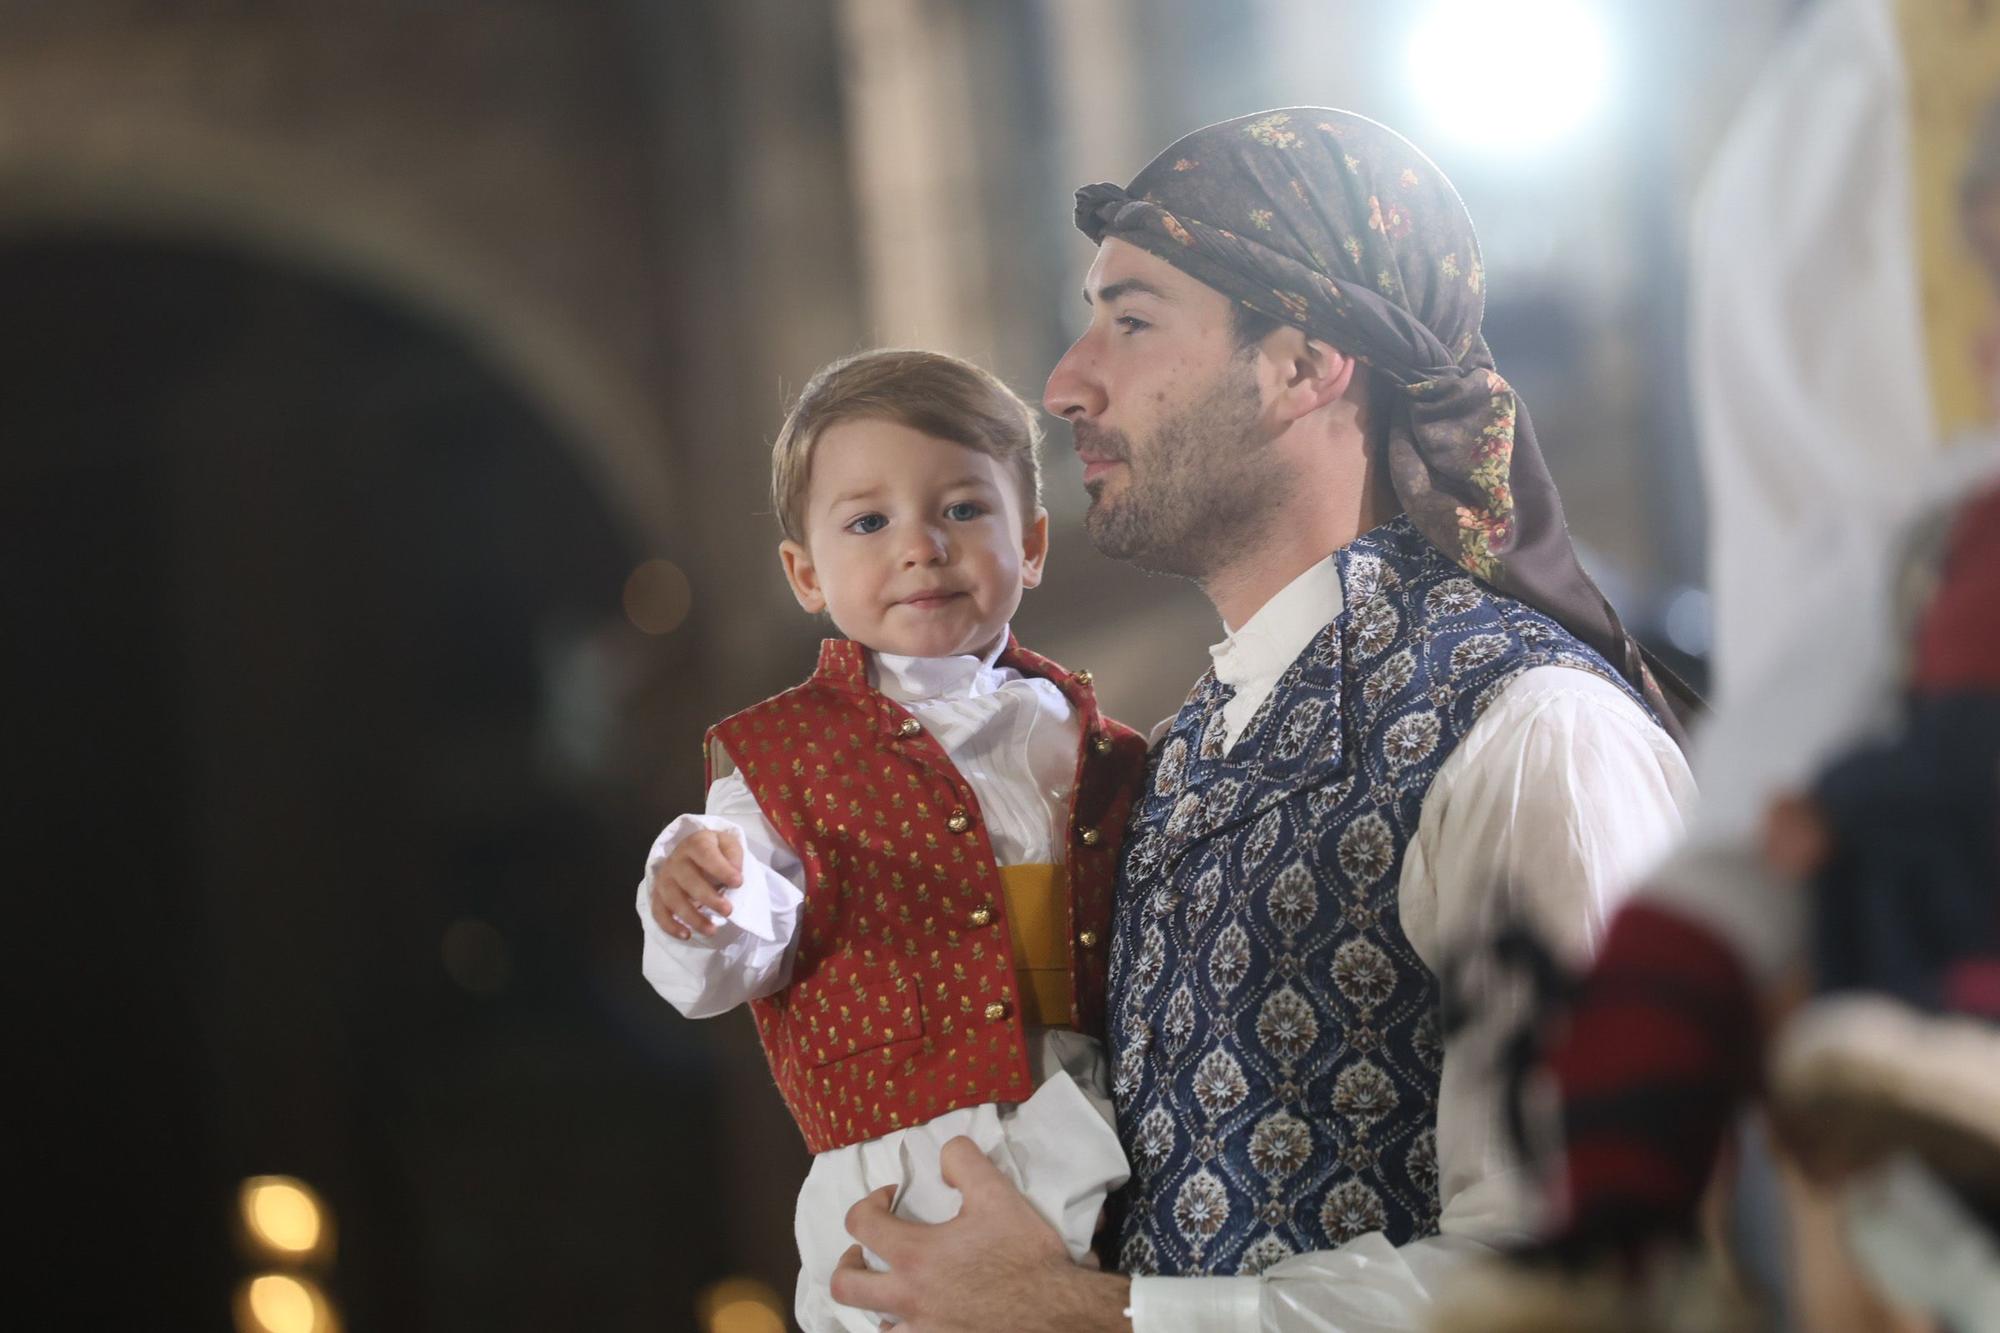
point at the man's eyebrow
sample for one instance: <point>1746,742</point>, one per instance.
<point>1111,291</point>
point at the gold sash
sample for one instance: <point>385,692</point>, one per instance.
<point>1038,925</point>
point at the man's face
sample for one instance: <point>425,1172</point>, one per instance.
<point>1168,414</point>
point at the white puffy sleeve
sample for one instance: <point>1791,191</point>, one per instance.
<point>750,955</point>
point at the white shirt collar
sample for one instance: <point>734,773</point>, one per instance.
<point>1273,638</point>
<point>910,679</point>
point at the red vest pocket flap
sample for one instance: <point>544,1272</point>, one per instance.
<point>836,1018</point>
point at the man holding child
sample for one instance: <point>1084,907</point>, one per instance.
<point>1424,718</point>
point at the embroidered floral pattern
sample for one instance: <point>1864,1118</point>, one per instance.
<point>1280,1145</point>
<point>1293,898</point>
<point>1218,1082</point>
<point>1271,131</point>
<point>1363,973</point>
<point>1351,1209</point>
<point>1201,1207</point>
<point>1286,1025</point>
<point>1367,848</point>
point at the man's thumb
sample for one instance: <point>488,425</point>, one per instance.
<point>964,1167</point>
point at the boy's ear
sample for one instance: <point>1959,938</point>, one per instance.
<point>1034,549</point>
<point>1310,373</point>
<point>799,572</point>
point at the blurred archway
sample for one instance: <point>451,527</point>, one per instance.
<point>311,882</point>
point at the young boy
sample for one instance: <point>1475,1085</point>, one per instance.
<point>905,865</point>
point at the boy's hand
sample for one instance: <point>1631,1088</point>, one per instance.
<point>693,877</point>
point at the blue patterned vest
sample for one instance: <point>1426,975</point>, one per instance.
<point>1274,1036</point>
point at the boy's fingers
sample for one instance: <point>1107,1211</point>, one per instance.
<point>663,916</point>
<point>678,901</point>
<point>718,858</point>
<point>694,886</point>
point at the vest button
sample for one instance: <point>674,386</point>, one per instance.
<point>910,727</point>
<point>982,915</point>
<point>1102,744</point>
<point>1082,677</point>
<point>959,822</point>
<point>996,1011</point>
<point>1088,939</point>
<point>1089,836</point>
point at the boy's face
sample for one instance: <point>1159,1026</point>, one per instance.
<point>916,546</point>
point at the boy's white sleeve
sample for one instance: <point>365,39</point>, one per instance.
<point>750,954</point>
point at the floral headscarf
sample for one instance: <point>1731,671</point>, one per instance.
<point>1339,226</point>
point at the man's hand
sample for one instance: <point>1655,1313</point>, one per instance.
<point>997,1265</point>
<point>693,877</point>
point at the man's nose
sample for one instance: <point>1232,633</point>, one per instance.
<point>1073,390</point>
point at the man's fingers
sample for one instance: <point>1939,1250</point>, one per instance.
<point>855,1283</point>
<point>871,1222</point>
<point>718,856</point>
<point>966,1169</point>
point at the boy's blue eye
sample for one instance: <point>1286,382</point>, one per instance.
<point>964,511</point>
<point>867,523</point>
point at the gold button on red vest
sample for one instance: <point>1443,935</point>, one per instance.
<point>982,915</point>
<point>996,1011</point>
<point>910,727</point>
<point>1088,939</point>
<point>959,821</point>
<point>1102,745</point>
<point>1089,837</point>
<point>1083,678</point>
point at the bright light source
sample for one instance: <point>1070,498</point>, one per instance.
<point>282,1215</point>
<point>1511,75</point>
<point>274,1303</point>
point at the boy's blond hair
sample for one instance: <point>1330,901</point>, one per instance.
<point>939,395</point>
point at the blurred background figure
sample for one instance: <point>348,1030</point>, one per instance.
<point>387,395</point>
<point>1841,883</point>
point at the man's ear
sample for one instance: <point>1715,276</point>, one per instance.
<point>1309,373</point>
<point>799,572</point>
<point>1034,549</point>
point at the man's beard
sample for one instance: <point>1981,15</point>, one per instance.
<point>1197,493</point>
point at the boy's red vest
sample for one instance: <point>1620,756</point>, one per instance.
<point>901,1005</point>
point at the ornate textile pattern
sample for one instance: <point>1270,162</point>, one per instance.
<point>1274,1036</point>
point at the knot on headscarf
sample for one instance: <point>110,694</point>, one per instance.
<point>1336,225</point>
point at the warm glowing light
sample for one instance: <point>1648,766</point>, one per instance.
<point>283,1215</point>
<point>275,1303</point>
<point>741,1305</point>
<point>658,597</point>
<point>1514,75</point>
